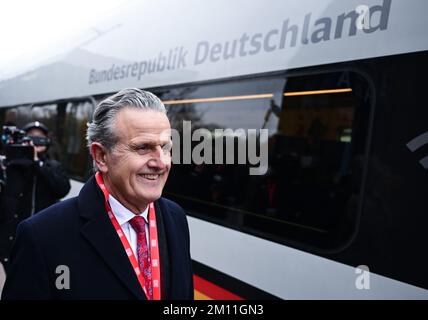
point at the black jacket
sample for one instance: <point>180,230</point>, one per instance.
<point>78,234</point>
<point>31,186</point>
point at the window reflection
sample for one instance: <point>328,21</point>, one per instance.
<point>77,115</point>
<point>309,194</point>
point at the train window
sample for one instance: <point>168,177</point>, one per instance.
<point>67,122</point>
<point>73,139</point>
<point>316,162</point>
<point>22,115</point>
<point>310,192</point>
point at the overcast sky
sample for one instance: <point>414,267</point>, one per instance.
<point>27,26</point>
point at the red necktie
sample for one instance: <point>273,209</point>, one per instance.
<point>139,225</point>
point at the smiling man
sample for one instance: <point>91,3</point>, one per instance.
<point>119,239</point>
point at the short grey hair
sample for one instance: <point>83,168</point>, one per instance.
<point>101,129</point>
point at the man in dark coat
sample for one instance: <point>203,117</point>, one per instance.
<point>118,239</point>
<point>32,185</point>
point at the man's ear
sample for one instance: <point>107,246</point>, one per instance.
<point>99,154</point>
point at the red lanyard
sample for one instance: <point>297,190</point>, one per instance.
<point>154,249</point>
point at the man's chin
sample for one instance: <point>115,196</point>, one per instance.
<point>151,197</point>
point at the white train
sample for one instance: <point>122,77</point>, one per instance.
<point>342,210</point>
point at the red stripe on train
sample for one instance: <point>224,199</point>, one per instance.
<point>213,291</point>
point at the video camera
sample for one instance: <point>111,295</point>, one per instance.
<point>18,148</point>
<point>16,143</point>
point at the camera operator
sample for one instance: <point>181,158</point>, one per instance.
<point>32,184</point>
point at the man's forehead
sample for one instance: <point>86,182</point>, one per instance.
<point>36,132</point>
<point>132,122</point>
<point>141,116</point>
<point>147,137</point>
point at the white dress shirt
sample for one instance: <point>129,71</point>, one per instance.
<point>123,215</point>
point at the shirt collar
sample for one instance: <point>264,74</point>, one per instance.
<point>122,214</point>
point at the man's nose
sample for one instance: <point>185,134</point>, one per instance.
<point>159,158</point>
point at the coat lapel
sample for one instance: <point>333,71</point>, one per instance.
<point>100,233</point>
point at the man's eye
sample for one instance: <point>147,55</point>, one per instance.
<point>142,148</point>
<point>167,147</point>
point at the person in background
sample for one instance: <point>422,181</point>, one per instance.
<point>31,185</point>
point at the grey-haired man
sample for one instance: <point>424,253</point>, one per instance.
<point>119,239</point>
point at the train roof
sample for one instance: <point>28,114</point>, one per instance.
<point>160,43</point>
